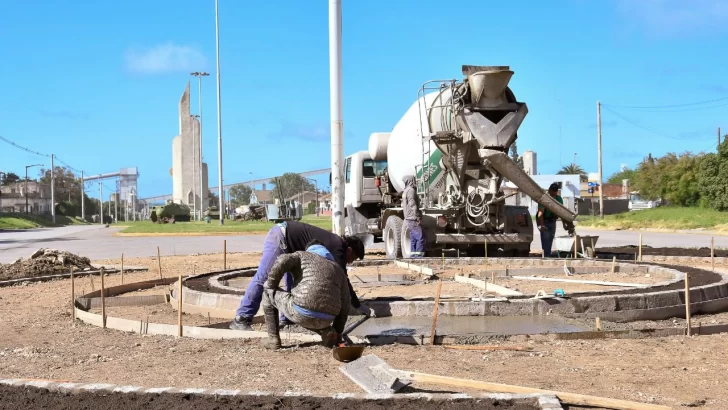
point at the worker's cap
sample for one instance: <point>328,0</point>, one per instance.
<point>356,245</point>
<point>320,250</point>
<point>553,187</point>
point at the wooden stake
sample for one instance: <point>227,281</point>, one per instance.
<point>506,270</point>
<point>179,307</point>
<point>209,322</point>
<point>434,315</point>
<point>224,254</point>
<point>486,255</point>
<point>122,268</point>
<point>687,304</point>
<point>91,279</point>
<point>614,263</point>
<point>73,296</point>
<point>576,246</point>
<point>712,253</point>
<point>103,300</point>
<point>492,277</point>
<point>379,275</point>
<point>640,249</point>
<point>159,262</point>
<point>598,323</point>
<point>443,259</point>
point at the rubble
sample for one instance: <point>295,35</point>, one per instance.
<point>44,262</point>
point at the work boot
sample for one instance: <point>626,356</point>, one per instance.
<point>241,323</point>
<point>271,322</point>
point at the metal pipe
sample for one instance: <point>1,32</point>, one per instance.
<point>599,152</point>
<point>219,118</point>
<point>101,204</point>
<point>337,122</point>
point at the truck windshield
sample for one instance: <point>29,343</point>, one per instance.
<point>371,168</point>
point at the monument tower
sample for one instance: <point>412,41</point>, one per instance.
<point>186,160</point>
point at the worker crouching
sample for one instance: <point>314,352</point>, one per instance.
<point>319,299</point>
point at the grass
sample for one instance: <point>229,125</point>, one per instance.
<point>194,227</point>
<point>29,221</point>
<point>668,218</point>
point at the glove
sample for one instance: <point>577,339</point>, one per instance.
<point>367,311</point>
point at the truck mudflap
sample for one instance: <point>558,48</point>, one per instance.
<point>506,238</point>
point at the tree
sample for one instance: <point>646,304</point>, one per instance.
<point>617,177</point>
<point>514,155</point>
<point>240,195</point>
<point>9,178</point>
<point>290,184</point>
<point>713,178</point>
<point>573,169</point>
<point>213,199</point>
<point>66,184</point>
<point>672,178</point>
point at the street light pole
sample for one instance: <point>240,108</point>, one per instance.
<point>53,189</point>
<point>219,118</point>
<point>199,76</point>
<point>337,122</point>
<point>195,192</point>
<point>26,183</point>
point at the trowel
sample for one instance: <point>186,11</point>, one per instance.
<point>347,351</point>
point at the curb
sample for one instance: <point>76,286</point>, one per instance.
<point>546,402</point>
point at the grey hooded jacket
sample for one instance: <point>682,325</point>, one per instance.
<point>410,200</point>
<point>319,284</point>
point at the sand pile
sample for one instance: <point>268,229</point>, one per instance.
<point>44,262</point>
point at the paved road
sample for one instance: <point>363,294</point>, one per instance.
<point>97,242</point>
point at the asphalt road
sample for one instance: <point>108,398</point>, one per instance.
<point>97,242</point>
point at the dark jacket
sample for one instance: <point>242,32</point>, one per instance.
<point>319,284</point>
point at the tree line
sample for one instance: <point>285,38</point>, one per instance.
<point>685,179</point>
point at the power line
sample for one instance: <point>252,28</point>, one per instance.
<point>38,153</point>
<point>666,106</point>
<point>652,130</point>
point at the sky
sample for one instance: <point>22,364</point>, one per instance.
<point>97,82</point>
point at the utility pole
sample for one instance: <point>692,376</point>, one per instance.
<point>337,122</point>
<point>599,152</point>
<point>83,198</point>
<point>219,118</point>
<point>195,164</point>
<point>53,189</point>
<point>101,203</point>
<point>199,76</point>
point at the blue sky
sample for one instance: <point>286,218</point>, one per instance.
<point>97,81</point>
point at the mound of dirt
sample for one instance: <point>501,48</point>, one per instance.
<point>44,262</point>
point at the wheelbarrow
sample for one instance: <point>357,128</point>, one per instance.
<point>585,245</point>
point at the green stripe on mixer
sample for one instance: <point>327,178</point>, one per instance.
<point>432,168</point>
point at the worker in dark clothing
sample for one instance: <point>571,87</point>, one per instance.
<point>318,301</point>
<point>289,237</point>
<point>546,221</point>
<point>413,217</point>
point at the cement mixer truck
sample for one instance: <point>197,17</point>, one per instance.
<point>454,139</point>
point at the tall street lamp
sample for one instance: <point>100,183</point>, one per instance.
<point>199,75</point>
<point>26,183</point>
<point>195,164</point>
<point>219,118</point>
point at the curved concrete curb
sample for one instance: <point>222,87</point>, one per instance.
<point>546,402</point>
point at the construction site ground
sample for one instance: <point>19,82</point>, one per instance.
<point>40,341</point>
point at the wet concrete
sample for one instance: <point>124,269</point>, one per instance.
<point>240,283</point>
<point>466,325</point>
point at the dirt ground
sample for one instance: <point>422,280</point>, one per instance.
<point>40,341</point>
<point>14,398</point>
<point>646,250</point>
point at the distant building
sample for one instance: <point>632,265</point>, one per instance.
<point>570,191</point>
<point>13,197</point>
<point>530,163</point>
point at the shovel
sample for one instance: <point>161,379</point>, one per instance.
<point>345,352</point>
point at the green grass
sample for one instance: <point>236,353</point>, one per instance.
<point>23,221</point>
<point>148,227</point>
<point>671,218</point>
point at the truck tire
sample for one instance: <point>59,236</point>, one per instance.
<point>392,237</point>
<point>405,242</point>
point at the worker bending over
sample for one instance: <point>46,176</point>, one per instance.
<point>287,238</point>
<point>319,298</point>
<point>413,217</point>
<point>547,221</point>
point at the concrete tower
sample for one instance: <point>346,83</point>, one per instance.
<point>529,163</point>
<point>185,160</point>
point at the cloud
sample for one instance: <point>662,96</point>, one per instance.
<point>71,115</point>
<point>605,124</point>
<point>676,17</point>
<point>165,58</point>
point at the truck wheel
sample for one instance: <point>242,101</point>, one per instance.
<point>405,242</point>
<point>392,237</point>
